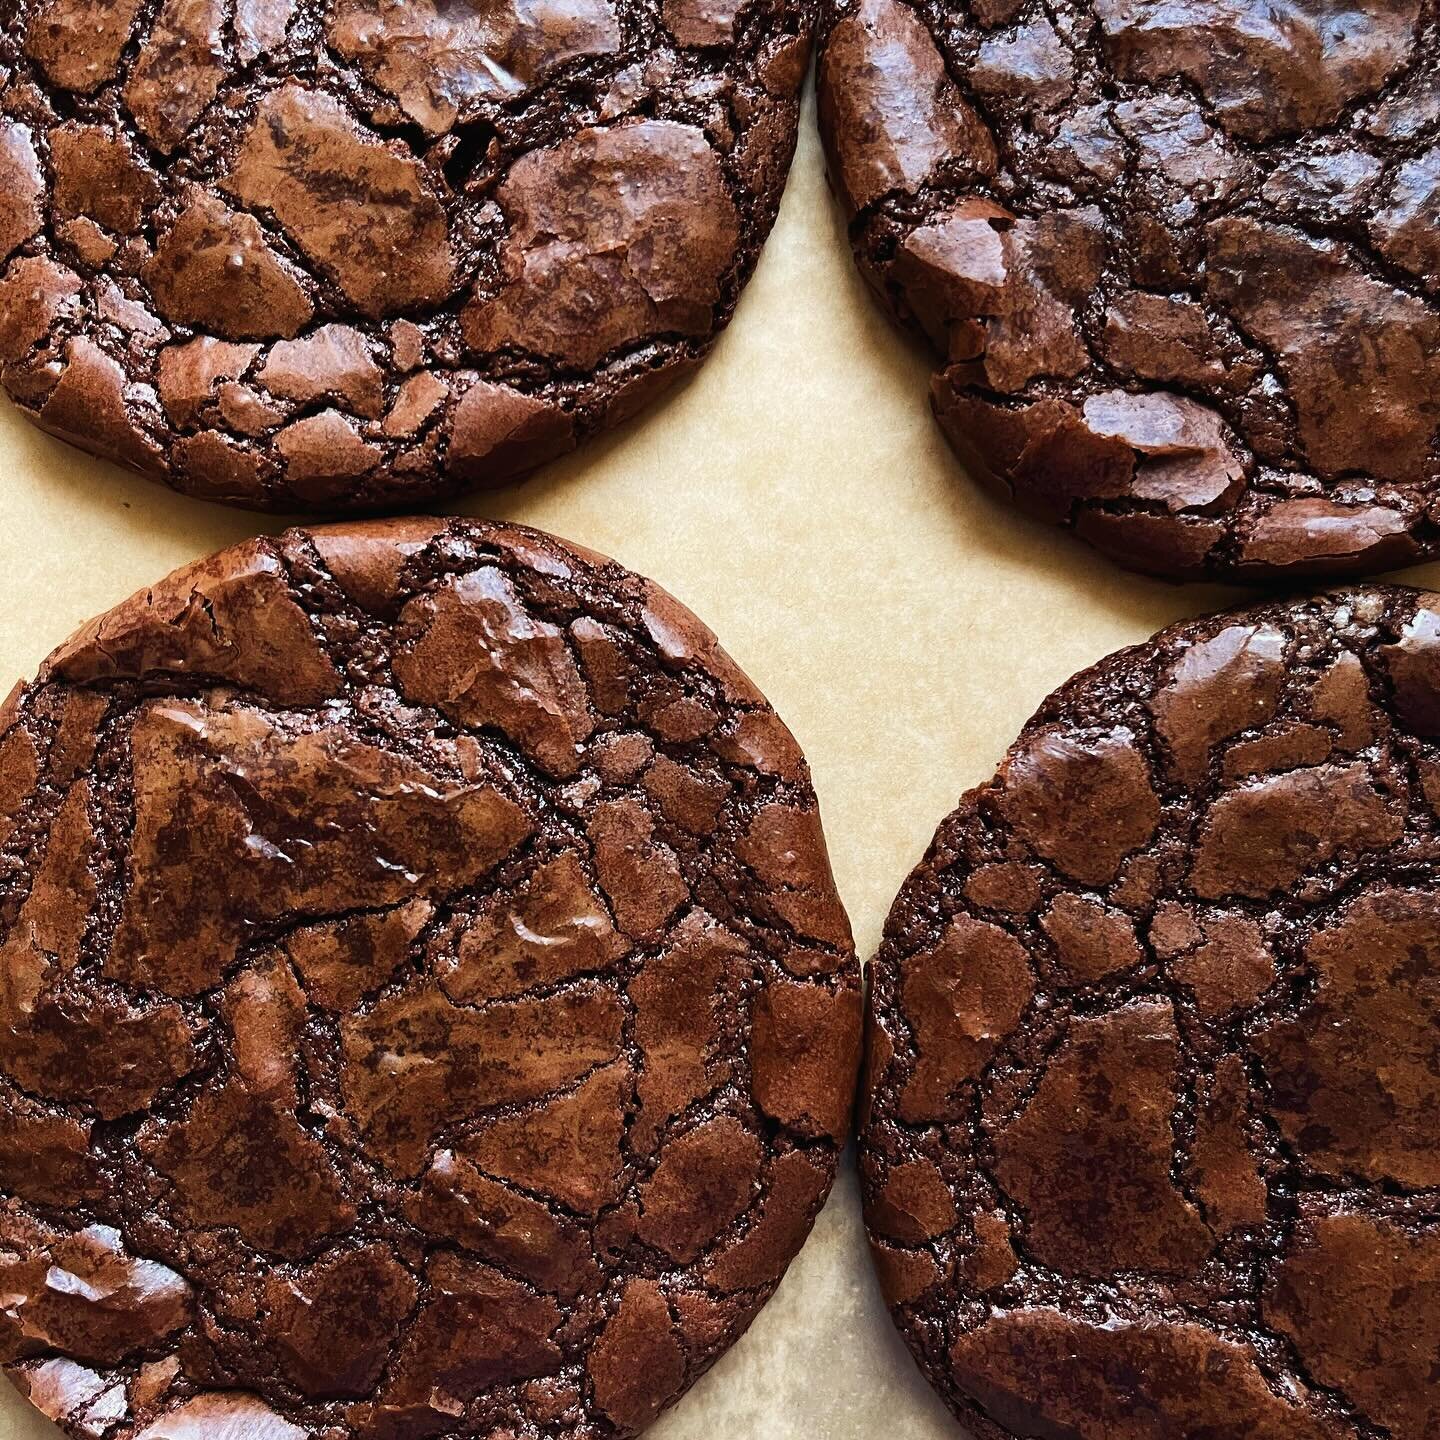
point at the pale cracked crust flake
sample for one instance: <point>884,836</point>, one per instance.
<point>426,1007</point>
<point>1179,261</point>
<point>1150,1132</point>
<point>337,255</point>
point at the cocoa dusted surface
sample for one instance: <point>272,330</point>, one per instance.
<point>347,254</point>
<point>1150,1131</point>
<point>426,1006</point>
<point>1179,262</point>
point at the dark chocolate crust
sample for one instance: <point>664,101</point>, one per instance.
<point>339,255</point>
<point>425,1006</point>
<point>1179,260</point>
<point>1150,1133</point>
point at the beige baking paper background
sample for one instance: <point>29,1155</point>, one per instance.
<point>798,497</point>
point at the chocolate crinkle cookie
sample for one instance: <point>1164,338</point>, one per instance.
<point>425,1007</point>
<point>1151,1142</point>
<point>1179,260</point>
<point>342,254</point>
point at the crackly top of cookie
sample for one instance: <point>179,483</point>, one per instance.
<point>1180,258</point>
<point>336,253</point>
<point>1154,1111</point>
<point>426,1007</point>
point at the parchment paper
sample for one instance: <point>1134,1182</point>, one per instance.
<point>798,497</point>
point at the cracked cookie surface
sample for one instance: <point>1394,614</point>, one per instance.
<point>347,254</point>
<point>1179,261</point>
<point>1150,1133</point>
<point>426,1007</point>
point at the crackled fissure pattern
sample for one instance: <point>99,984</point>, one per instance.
<point>426,1008</point>
<point>1180,260</point>
<point>334,254</point>
<point>1151,1132</point>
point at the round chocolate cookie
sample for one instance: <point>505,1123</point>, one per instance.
<point>1179,259</point>
<point>1151,1138</point>
<point>425,1007</point>
<point>342,254</point>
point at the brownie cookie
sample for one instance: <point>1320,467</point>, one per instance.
<point>1151,1138</point>
<point>343,254</point>
<point>425,1007</point>
<point>1179,259</point>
